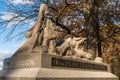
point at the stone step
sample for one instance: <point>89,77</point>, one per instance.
<point>54,74</point>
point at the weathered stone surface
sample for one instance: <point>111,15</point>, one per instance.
<point>53,67</point>
<point>51,61</point>
<point>35,34</point>
<point>98,59</point>
<point>54,74</point>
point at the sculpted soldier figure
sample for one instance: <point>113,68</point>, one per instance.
<point>41,37</point>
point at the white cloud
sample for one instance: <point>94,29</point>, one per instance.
<point>4,54</point>
<point>14,20</point>
<point>23,2</point>
<point>8,15</point>
<point>1,63</point>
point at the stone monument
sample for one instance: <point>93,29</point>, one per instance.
<point>40,58</point>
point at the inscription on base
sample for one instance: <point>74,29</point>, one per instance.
<point>58,62</point>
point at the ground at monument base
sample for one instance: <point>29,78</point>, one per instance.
<point>54,74</point>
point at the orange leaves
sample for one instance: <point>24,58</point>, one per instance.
<point>60,7</point>
<point>93,17</point>
<point>76,15</point>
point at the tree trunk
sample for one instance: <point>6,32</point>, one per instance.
<point>96,27</point>
<point>92,22</point>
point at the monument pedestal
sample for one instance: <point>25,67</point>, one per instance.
<point>52,67</point>
<point>54,74</point>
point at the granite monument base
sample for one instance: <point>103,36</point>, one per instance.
<point>52,67</point>
<point>54,74</point>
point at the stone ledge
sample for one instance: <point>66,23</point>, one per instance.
<point>54,74</point>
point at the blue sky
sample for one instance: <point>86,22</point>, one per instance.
<point>7,48</point>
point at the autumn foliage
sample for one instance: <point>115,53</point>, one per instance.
<point>97,20</point>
